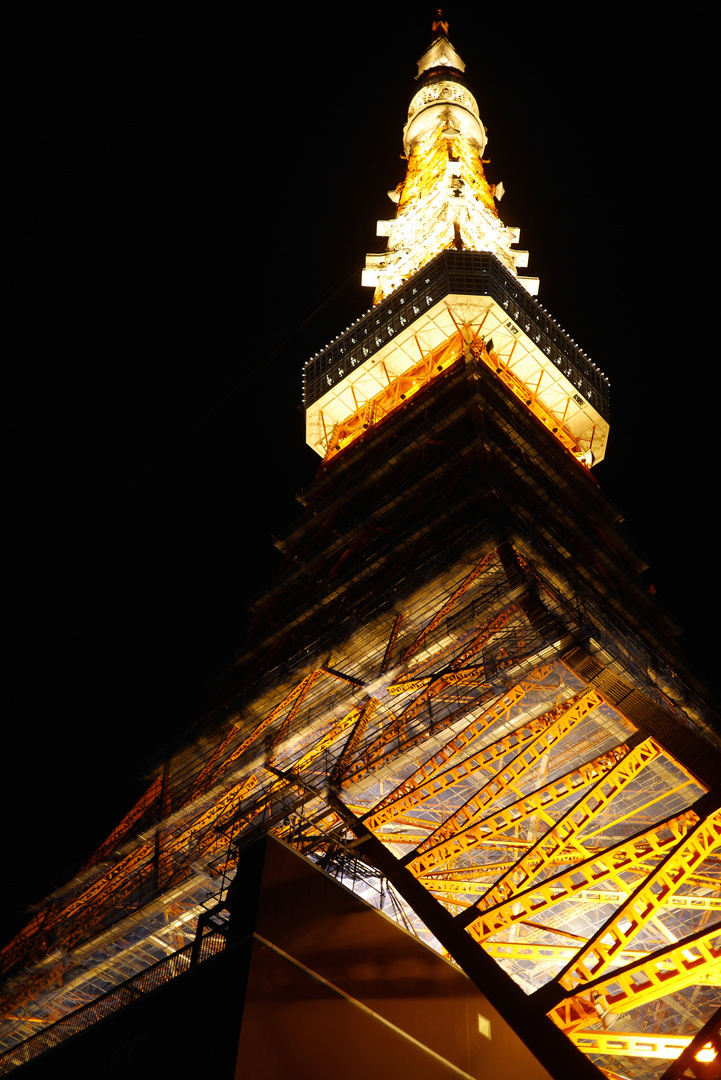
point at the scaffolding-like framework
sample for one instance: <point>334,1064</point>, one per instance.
<point>456,697</point>
<point>472,673</point>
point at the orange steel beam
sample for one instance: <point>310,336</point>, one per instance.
<point>529,398</point>
<point>103,885</point>
<point>387,655</point>
<point>618,930</point>
<point>111,888</point>
<point>295,708</point>
<point>103,888</point>
<point>449,605</point>
<point>553,842</point>
<point>659,973</point>
<point>558,722</point>
<point>440,682</point>
<point>437,784</point>
<point>140,808</point>
<point>533,950</point>
<point>501,708</point>
<point>390,743</point>
<point>478,888</point>
<point>412,822</point>
<point>538,802</point>
<point>22,941</point>
<point>452,885</point>
<point>601,866</point>
<point>300,688</point>
<point>400,389</point>
<point>706,879</point>
<point>638,812</point>
<point>487,633</point>
<point>403,838</point>
<point>631,1043</point>
<point>694,901</point>
<point>204,830</point>
<point>50,915</point>
<point>209,766</point>
<point>246,786</point>
<point>444,851</point>
<point>465,873</point>
<point>327,739</point>
<point>409,686</point>
<point>527,950</point>
<point>223,805</point>
<point>126,876</point>
<point>353,741</point>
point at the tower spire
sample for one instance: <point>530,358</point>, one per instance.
<point>440,25</point>
<point>445,200</point>
<point>447,286</point>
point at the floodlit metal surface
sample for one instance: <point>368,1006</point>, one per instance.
<point>459,650</point>
<point>551,816</point>
<point>633,1044</point>
<point>371,378</point>
<point>445,200</point>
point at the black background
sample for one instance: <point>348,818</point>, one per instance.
<point>191,190</point>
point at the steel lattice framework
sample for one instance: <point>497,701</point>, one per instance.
<point>575,847</point>
<point>456,688</point>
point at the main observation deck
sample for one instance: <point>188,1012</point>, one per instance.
<point>472,292</point>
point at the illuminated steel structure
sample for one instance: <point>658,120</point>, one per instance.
<point>457,686</point>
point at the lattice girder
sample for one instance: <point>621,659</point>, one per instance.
<point>537,803</point>
<point>658,974</point>
<point>675,868</point>
<point>446,608</point>
<point>481,759</point>
<point>301,688</point>
<point>557,839</point>
<point>559,721</point>
<point>632,854</point>
<point>631,1043</point>
<point>500,709</point>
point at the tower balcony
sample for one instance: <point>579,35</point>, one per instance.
<point>472,292</point>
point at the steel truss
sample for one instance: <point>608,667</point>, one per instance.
<point>556,832</point>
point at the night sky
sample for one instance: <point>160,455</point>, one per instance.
<point>197,191</point>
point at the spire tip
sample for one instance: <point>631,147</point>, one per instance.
<point>440,25</point>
